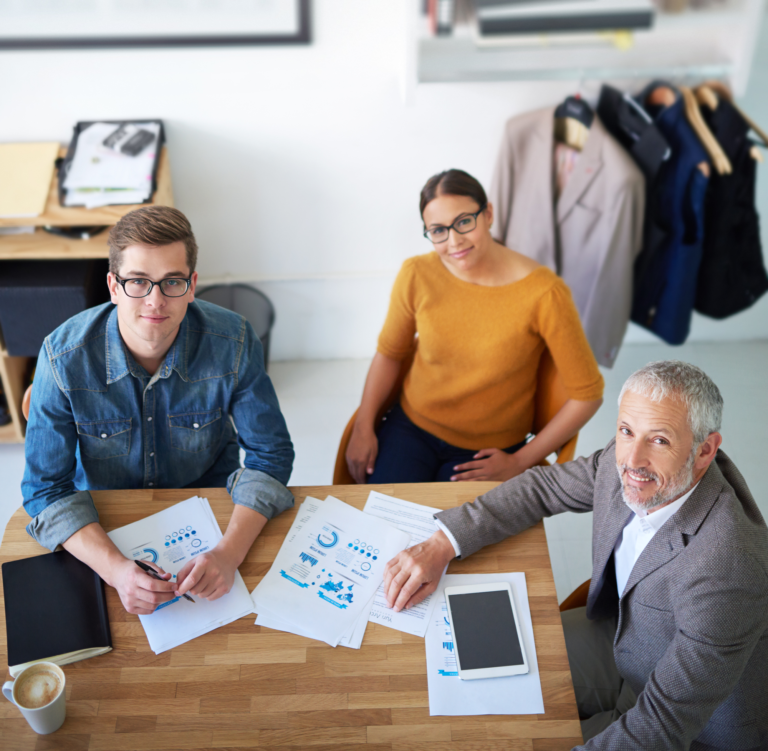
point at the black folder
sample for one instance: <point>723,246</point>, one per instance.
<point>55,610</point>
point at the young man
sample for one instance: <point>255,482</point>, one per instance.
<point>138,393</point>
<point>671,651</point>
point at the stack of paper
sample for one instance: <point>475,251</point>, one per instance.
<point>419,522</point>
<point>171,538</point>
<point>26,170</point>
<point>325,576</point>
<point>448,694</point>
<point>102,176</point>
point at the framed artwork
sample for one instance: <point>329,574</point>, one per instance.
<point>92,24</point>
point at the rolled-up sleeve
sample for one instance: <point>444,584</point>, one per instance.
<point>57,508</point>
<point>58,521</point>
<point>262,434</point>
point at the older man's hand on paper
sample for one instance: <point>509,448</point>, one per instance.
<point>414,574</point>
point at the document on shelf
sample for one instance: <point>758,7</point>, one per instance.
<point>104,176</point>
<point>419,522</point>
<point>327,569</point>
<point>448,694</point>
<point>171,538</point>
<point>26,170</point>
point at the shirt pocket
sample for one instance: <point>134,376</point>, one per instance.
<point>105,439</point>
<point>195,431</point>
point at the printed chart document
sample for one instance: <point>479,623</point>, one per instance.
<point>353,638</point>
<point>448,694</point>
<point>171,538</point>
<point>419,522</point>
<point>327,570</point>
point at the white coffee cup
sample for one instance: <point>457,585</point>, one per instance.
<point>38,692</point>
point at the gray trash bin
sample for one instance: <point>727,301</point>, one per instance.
<point>253,305</point>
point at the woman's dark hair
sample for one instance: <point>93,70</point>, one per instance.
<point>452,182</point>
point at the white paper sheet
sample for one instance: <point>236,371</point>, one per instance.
<point>353,638</point>
<point>419,522</point>
<point>171,538</point>
<point>97,166</point>
<point>327,570</point>
<point>448,694</point>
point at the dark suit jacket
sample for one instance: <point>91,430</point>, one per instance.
<point>692,636</point>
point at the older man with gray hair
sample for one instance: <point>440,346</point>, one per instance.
<point>671,651</point>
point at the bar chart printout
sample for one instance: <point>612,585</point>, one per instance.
<point>448,694</point>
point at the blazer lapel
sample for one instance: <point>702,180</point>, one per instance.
<point>586,170</point>
<point>609,520</point>
<point>668,542</point>
<point>541,157</point>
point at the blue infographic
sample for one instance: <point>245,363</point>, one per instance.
<point>173,548</point>
<point>319,584</point>
<point>449,667</point>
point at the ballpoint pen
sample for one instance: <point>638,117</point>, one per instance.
<point>143,566</point>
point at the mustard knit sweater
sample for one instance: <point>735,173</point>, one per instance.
<point>473,377</point>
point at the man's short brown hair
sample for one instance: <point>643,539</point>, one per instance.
<point>153,226</point>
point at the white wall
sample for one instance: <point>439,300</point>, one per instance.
<point>300,167</point>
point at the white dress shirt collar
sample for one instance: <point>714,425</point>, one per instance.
<point>636,535</point>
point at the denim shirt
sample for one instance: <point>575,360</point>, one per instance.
<point>96,422</point>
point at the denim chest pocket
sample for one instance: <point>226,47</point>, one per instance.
<point>195,431</point>
<point>105,439</point>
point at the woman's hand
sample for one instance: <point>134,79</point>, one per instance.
<point>490,464</point>
<point>361,453</point>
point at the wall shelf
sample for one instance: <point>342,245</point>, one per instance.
<point>695,44</point>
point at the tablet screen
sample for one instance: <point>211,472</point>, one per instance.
<point>484,627</point>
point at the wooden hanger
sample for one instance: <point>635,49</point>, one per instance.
<point>664,96</point>
<point>706,97</point>
<point>573,119</point>
<point>692,113</point>
<point>661,96</point>
<point>708,92</point>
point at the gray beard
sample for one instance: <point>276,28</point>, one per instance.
<point>679,485</point>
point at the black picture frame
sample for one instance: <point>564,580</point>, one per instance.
<point>302,36</point>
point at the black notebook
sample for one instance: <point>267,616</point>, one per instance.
<point>55,610</point>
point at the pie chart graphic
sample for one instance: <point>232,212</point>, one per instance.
<point>327,540</point>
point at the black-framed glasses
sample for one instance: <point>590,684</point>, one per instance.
<point>465,223</point>
<point>143,287</point>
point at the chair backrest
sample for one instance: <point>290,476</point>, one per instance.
<point>341,474</point>
<point>253,305</point>
<point>25,402</point>
<point>549,400</point>
<point>550,397</point>
<point>577,598</point>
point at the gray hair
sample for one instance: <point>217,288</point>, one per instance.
<point>680,380</point>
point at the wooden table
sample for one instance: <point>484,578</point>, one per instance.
<point>247,686</point>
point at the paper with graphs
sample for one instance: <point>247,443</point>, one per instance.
<point>171,538</point>
<point>327,570</point>
<point>448,694</point>
<point>419,522</point>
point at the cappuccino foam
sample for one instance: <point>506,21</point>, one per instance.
<point>38,688</point>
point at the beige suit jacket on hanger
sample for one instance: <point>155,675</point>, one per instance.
<point>590,236</point>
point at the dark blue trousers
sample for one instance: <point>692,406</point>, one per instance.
<point>409,454</point>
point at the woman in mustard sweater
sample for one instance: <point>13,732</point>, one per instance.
<point>483,315</point>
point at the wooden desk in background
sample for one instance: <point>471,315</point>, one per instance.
<point>247,686</point>
<point>44,246</point>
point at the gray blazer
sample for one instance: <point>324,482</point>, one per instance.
<point>692,636</point>
<point>591,236</point>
